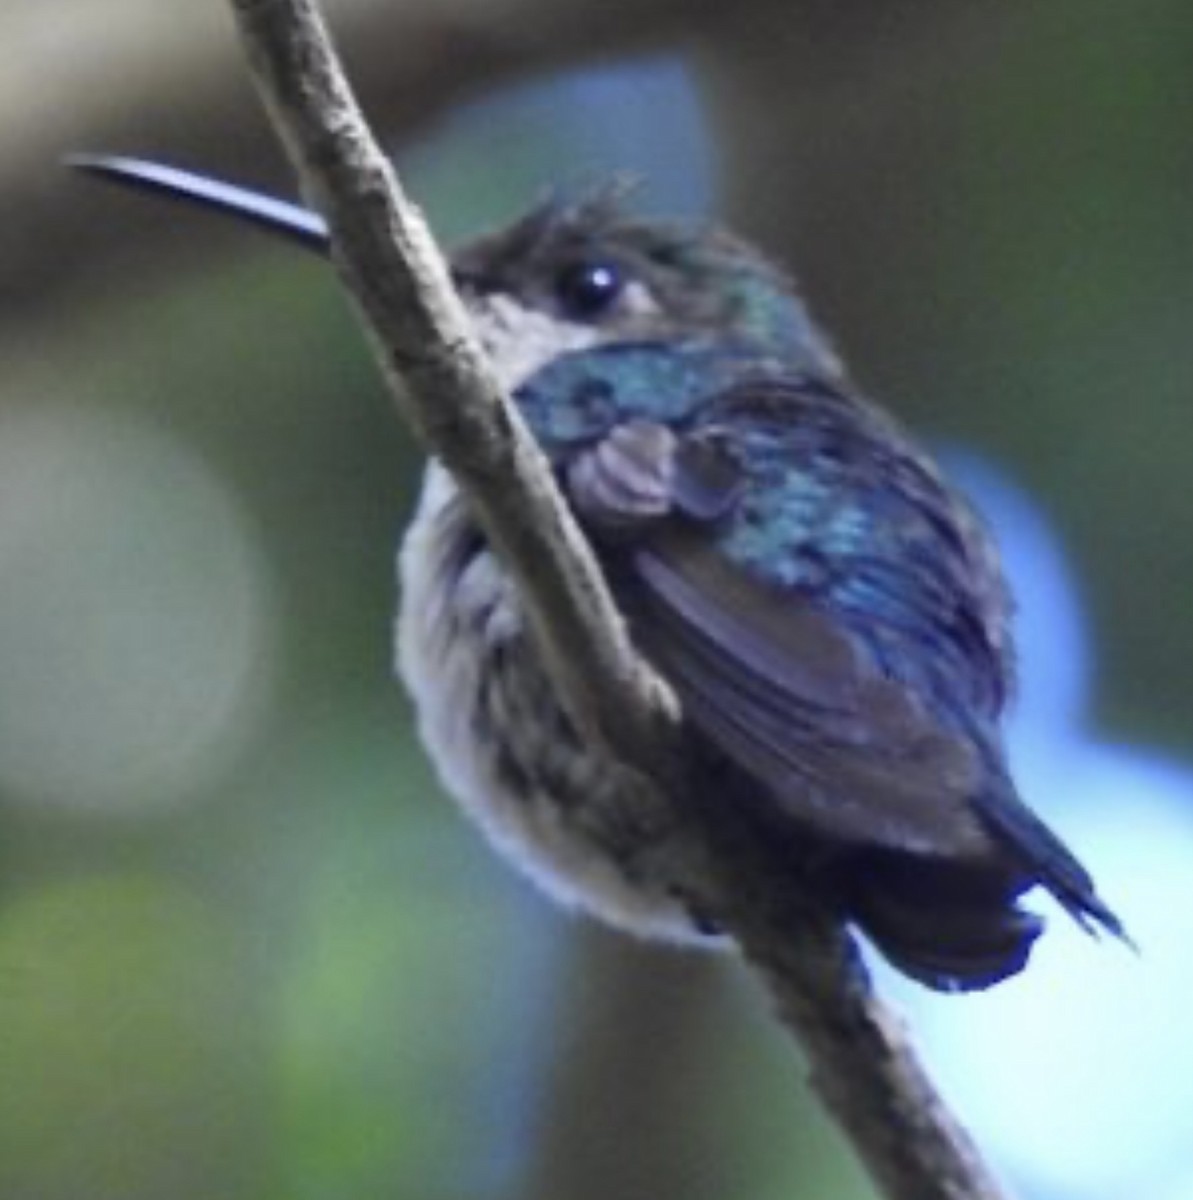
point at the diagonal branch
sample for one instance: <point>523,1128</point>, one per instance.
<point>861,1064</point>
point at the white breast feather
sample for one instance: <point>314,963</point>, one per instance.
<point>450,622</point>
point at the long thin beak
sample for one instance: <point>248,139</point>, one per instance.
<point>290,221</point>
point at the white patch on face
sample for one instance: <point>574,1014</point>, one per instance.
<point>521,340</point>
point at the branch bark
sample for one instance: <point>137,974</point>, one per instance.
<point>862,1065</point>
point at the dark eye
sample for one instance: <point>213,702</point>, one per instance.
<point>589,288</point>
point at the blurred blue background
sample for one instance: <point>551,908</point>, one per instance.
<point>248,949</point>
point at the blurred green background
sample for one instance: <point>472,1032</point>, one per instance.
<point>247,949</point>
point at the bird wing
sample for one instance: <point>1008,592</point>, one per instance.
<point>826,619</point>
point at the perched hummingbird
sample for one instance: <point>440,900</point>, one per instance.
<point>829,612</point>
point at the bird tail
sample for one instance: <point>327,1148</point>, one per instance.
<point>941,925</point>
<point>959,927</point>
<point>1051,863</point>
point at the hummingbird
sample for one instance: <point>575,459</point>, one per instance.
<point>828,610</point>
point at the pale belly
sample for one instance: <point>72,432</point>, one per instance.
<point>499,741</point>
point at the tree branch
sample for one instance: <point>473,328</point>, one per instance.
<point>861,1064</point>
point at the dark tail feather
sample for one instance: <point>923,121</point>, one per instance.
<point>929,922</point>
<point>956,926</point>
<point>1051,864</point>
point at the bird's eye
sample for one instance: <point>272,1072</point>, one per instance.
<point>588,289</point>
